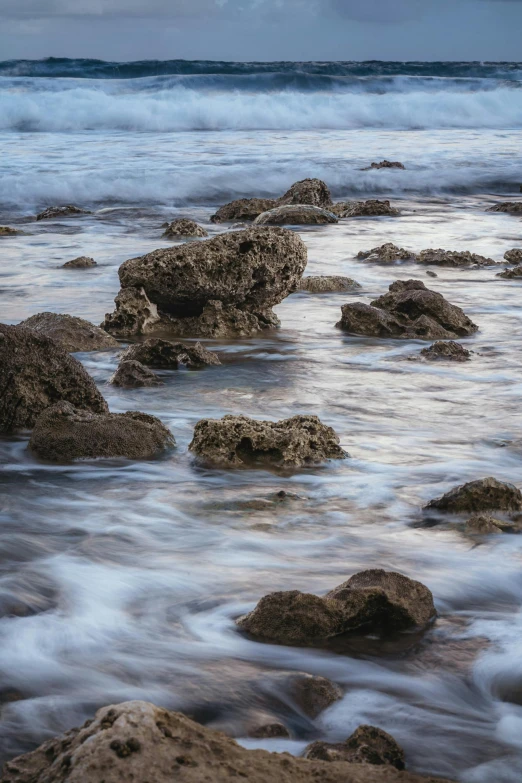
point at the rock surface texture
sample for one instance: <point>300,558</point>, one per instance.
<point>485,524</point>
<point>370,208</point>
<point>510,207</point>
<point>456,258</point>
<point>59,212</point>
<point>322,284</point>
<point>511,274</point>
<point>514,256</point>
<point>313,192</point>
<point>296,214</point>
<point>385,164</point>
<point>184,227</point>
<point>165,354</point>
<point>133,375</point>
<point>387,254</point>
<point>82,262</point>
<point>450,350</point>
<point>313,694</point>
<point>243,209</point>
<point>367,745</point>
<point>486,494</point>
<point>71,333</point>
<point>7,231</point>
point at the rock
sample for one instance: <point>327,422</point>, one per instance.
<point>59,212</point>
<point>83,262</point>
<point>135,314</point>
<point>514,256</point>
<point>485,524</point>
<point>235,441</point>
<point>313,192</point>
<point>71,333</point>
<point>63,433</point>
<point>511,207</point>
<point>218,320</point>
<point>137,741</point>
<point>385,164</point>
<point>183,227</point>
<point>486,494</point>
<point>35,373</point>
<point>457,258</point>
<point>133,375</point>
<point>431,273</point>
<point>269,731</point>
<point>243,209</point>
<point>169,355</point>
<point>313,694</point>
<point>6,231</point>
<point>450,350</point>
<point>386,254</point>
<point>370,208</point>
<point>408,310</point>
<point>295,214</point>
<point>308,191</point>
<point>513,273</point>
<point>320,284</point>
<point>367,745</point>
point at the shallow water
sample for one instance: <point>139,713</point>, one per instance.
<point>122,580</point>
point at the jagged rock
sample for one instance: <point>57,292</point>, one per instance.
<point>313,694</point>
<point>133,375</point>
<point>456,258</point>
<point>134,314</point>
<point>431,273</point>
<point>452,351</point>
<point>217,320</point>
<point>83,262</point>
<point>269,731</point>
<point>387,254</point>
<point>35,373</point>
<point>485,524</point>
<point>408,310</point>
<point>235,441</point>
<point>137,741</point>
<point>71,333</point>
<point>367,745</point>
<point>486,494</point>
<point>63,433</point>
<point>514,256</point>
<point>385,164</point>
<point>7,231</point>
<point>59,212</point>
<point>308,191</point>
<point>319,284</point>
<point>513,273</point>
<point>511,207</point>
<point>169,355</point>
<point>370,208</point>
<point>183,227</point>
<point>295,214</point>
<point>243,209</point>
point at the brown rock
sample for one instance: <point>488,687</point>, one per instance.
<point>183,227</point>
<point>450,350</point>
<point>363,319</point>
<point>134,314</point>
<point>82,262</point>
<point>133,375</point>
<point>387,254</point>
<point>370,208</point>
<point>308,191</point>
<point>243,209</point>
<point>169,355</point>
<point>235,441</point>
<point>71,333</point>
<point>367,745</point>
<point>486,494</point>
<point>511,207</point>
<point>269,731</point>
<point>295,214</point>
<point>484,524</point>
<point>313,694</point>
<point>454,258</point>
<point>35,373</point>
<point>59,212</point>
<point>6,231</point>
<point>217,320</point>
<point>322,284</point>
<point>514,256</point>
<point>385,164</point>
<point>513,273</point>
<point>63,433</point>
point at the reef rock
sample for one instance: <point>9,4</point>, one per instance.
<point>313,694</point>
<point>514,256</point>
<point>486,494</point>
<point>322,284</point>
<point>370,208</point>
<point>308,191</point>
<point>511,274</point>
<point>456,258</point>
<point>82,262</point>
<point>71,333</point>
<point>387,254</point>
<point>133,375</point>
<point>169,355</point>
<point>450,350</point>
<point>235,441</point>
<point>312,192</point>
<point>60,212</point>
<point>295,214</point>
<point>485,524</point>
<point>243,209</point>
<point>183,227</point>
<point>367,745</point>
<point>385,164</point>
<point>35,373</point>
<point>134,314</point>
<point>511,207</point>
<point>63,433</point>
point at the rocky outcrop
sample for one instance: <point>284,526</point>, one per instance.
<point>137,741</point>
<point>313,694</point>
<point>486,494</point>
<point>35,373</point>
<point>511,274</point>
<point>485,524</point>
<point>243,209</point>
<point>236,441</point>
<point>82,262</point>
<point>295,214</point>
<point>269,731</point>
<point>313,192</point>
<point>168,355</point>
<point>457,258</point>
<point>380,601</point>
<point>63,433</point>
<point>408,310</point>
<point>514,256</point>
<point>367,745</point>
<point>386,254</point>
<point>183,227</point>
<point>308,191</point>
<point>322,284</point>
<point>511,207</point>
<point>71,333</point>
<point>7,231</point>
<point>60,212</point>
<point>385,164</point>
<point>450,351</point>
<point>134,375</point>
<point>134,314</point>
<point>370,208</point>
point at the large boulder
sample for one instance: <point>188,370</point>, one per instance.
<point>243,209</point>
<point>322,284</point>
<point>71,333</point>
<point>450,351</point>
<point>514,256</point>
<point>367,745</point>
<point>370,208</point>
<point>184,227</point>
<point>137,741</point>
<point>510,207</point>
<point>386,254</point>
<point>156,352</point>
<point>134,375</point>
<point>82,262</point>
<point>235,441</point>
<point>486,494</point>
<point>60,212</point>
<point>63,433</point>
<point>35,373</point>
<point>308,191</point>
<point>511,274</point>
<point>296,214</point>
<point>457,258</point>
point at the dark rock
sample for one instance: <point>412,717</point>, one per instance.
<point>313,192</point>
<point>387,254</point>
<point>183,227</point>
<point>269,731</point>
<point>514,256</point>
<point>431,273</point>
<point>320,284</point>
<point>71,333</point>
<point>35,373</point>
<point>308,191</point>
<point>513,273</point>
<point>363,319</point>
<point>169,355</point>
<point>367,745</point>
<point>243,209</point>
<point>456,258</point>
<point>59,212</point>
<point>235,441</point>
<point>133,375</point>
<point>83,262</point>
<point>370,208</point>
<point>63,433</point>
<point>450,350</point>
<point>485,524</point>
<point>486,494</point>
<point>134,314</point>
<point>385,164</point>
<point>6,231</point>
<point>511,207</point>
<point>313,694</point>
<point>295,214</point>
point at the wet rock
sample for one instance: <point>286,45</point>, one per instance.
<point>218,320</point>
<point>295,214</point>
<point>486,494</point>
<point>71,333</point>
<point>269,731</point>
<point>64,433</point>
<point>370,208</point>
<point>511,207</point>
<point>386,254</point>
<point>235,441</point>
<point>320,284</point>
<point>385,164</point>
<point>431,273</point>
<point>134,314</point>
<point>454,258</point>
<point>141,742</point>
<point>514,256</point>
<point>168,355</point>
<point>60,212</point>
<point>35,373</point>
<point>367,745</point>
<point>243,209</point>
<point>133,375</point>
<point>6,231</point>
<point>485,524</point>
<point>183,227</point>
<point>511,274</point>
<point>308,191</point>
<point>408,310</point>
<point>313,694</point>
<point>82,262</point>
<point>452,351</point>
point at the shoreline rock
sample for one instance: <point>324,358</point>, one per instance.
<point>509,207</point>
<point>367,745</point>
<point>487,494</point>
<point>312,192</point>
<point>168,355</point>
<point>82,262</point>
<point>386,254</point>
<point>7,231</point>
<point>296,214</point>
<point>450,350</point>
<point>369,208</point>
<point>511,274</point>
<point>184,227</point>
<point>134,375</point>
<point>59,212</point>
<point>514,256</point>
<point>71,333</point>
<point>321,284</point>
<point>385,164</point>
<point>453,258</point>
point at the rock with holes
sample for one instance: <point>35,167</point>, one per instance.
<point>134,375</point>
<point>308,191</point>
<point>184,227</point>
<point>63,433</point>
<point>156,352</point>
<point>385,164</point>
<point>35,373</point>
<point>59,212</point>
<point>135,314</point>
<point>82,262</point>
<point>219,320</point>
<point>449,351</point>
<point>296,214</point>
<point>487,494</point>
<point>514,256</point>
<point>510,207</point>
<point>386,254</point>
<point>323,284</point>
<point>485,524</point>
<point>367,745</point>
<point>313,192</point>
<point>71,333</point>
<point>511,274</point>
<point>455,258</point>
<point>236,441</point>
<point>313,694</point>
<point>370,208</point>
<point>243,209</point>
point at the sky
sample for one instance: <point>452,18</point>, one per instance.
<point>262,29</point>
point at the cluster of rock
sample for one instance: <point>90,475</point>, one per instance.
<point>385,164</point>
<point>184,227</point>
<point>408,310</point>
<point>510,207</point>
<point>82,262</point>
<point>296,214</point>
<point>133,369</point>
<point>59,212</point>
<point>386,254</point>
<point>513,273</point>
<point>321,284</point>
<point>457,258</point>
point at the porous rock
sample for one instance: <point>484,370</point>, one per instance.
<point>35,372</point>
<point>456,258</point>
<point>511,274</point>
<point>141,742</point>
<point>385,164</point>
<point>322,284</point>
<point>82,262</point>
<point>308,191</point>
<point>313,694</point>
<point>367,745</point>
<point>514,256</point>
<point>235,441</point>
<point>133,375</point>
<point>243,209</point>
<point>487,494</point>
<point>510,207</point>
<point>296,214</point>
<point>369,208</point>
<point>59,212</point>
<point>386,254</point>
<point>450,350</point>
<point>184,227</point>
<point>485,524</point>
<point>156,352</point>
<point>70,332</point>
<point>63,433</point>
<point>313,192</point>
<point>219,320</point>
<point>134,314</point>
<point>269,731</point>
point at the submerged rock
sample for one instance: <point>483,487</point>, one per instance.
<point>450,350</point>
<point>320,284</point>
<point>486,494</point>
<point>485,524</point>
<point>370,208</point>
<point>313,694</point>
<point>514,256</point>
<point>243,209</point>
<point>82,262</point>
<point>59,212</point>
<point>387,254</point>
<point>63,433</point>
<point>385,164</point>
<point>235,441</point>
<point>169,355</point>
<point>35,373</point>
<point>511,207</point>
<point>456,258</point>
<point>71,333</point>
<point>367,745</point>
<point>183,227</point>
<point>295,214</point>
<point>133,375</point>
<point>7,231</point>
<point>308,191</point>
<point>511,274</point>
